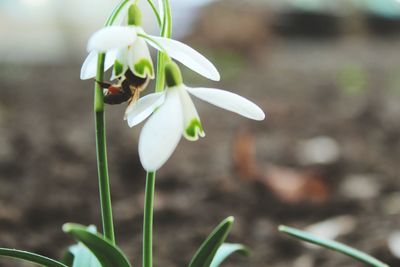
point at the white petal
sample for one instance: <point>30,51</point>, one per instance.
<point>229,101</point>
<point>112,37</point>
<point>110,58</point>
<point>187,56</point>
<point>161,133</point>
<point>192,127</point>
<point>89,67</point>
<point>139,55</point>
<point>121,63</point>
<point>139,111</point>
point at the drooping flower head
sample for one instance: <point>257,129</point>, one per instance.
<point>126,46</point>
<point>174,115</point>
<point>135,57</point>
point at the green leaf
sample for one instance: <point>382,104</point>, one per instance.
<point>83,257</point>
<point>108,254</point>
<point>80,256</point>
<point>31,257</point>
<point>68,258</point>
<point>225,250</point>
<point>333,245</point>
<point>205,254</point>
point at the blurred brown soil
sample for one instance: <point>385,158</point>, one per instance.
<point>48,169</point>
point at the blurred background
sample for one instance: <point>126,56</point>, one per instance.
<point>327,73</point>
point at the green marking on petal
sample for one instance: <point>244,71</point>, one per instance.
<point>134,15</point>
<point>144,68</point>
<point>173,75</point>
<point>194,130</point>
<point>118,68</point>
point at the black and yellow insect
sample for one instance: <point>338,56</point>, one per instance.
<point>127,89</point>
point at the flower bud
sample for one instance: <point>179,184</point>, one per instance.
<point>173,76</point>
<point>134,15</point>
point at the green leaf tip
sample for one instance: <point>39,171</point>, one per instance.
<point>173,75</point>
<point>332,245</point>
<point>229,220</point>
<point>67,227</point>
<point>282,228</point>
<point>134,15</point>
<point>70,227</point>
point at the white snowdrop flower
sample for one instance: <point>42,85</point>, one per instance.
<point>127,47</point>
<point>174,115</point>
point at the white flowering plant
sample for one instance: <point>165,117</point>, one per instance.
<point>123,46</point>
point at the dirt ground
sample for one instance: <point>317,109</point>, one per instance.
<point>344,88</point>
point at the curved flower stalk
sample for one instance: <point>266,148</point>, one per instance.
<point>126,47</point>
<point>176,115</point>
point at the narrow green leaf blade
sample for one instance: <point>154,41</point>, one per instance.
<point>333,245</point>
<point>227,249</point>
<point>205,254</point>
<point>30,257</point>
<point>107,254</point>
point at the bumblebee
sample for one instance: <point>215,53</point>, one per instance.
<point>127,89</point>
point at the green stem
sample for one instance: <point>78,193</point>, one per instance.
<point>148,220</point>
<point>101,149</point>
<point>168,18</point>
<point>166,31</point>
<point>160,82</point>
<point>151,176</point>
<point>101,144</point>
<point>116,11</point>
<point>155,11</point>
